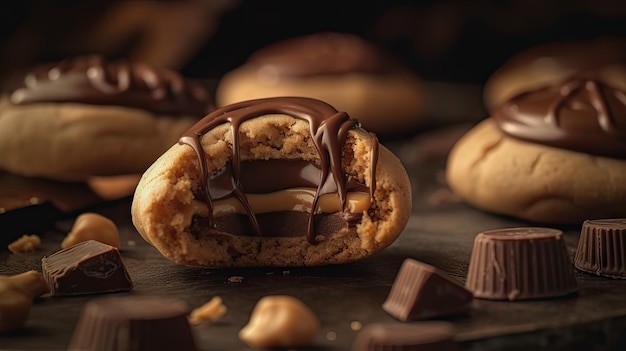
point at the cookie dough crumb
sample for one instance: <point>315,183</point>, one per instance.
<point>210,311</point>
<point>235,279</point>
<point>27,243</point>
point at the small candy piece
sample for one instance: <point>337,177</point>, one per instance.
<point>133,323</point>
<point>26,243</point>
<point>519,264</point>
<point>280,321</point>
<point>92,226</point>
<point>421,291</point>
<point>210,311</point>
<point>602,248</point>
<point>426,336</point>
<point>16,297</point>
<point>89,267</point>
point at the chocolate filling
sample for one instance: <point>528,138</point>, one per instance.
<point>328,131</point>
<point>274,224</point>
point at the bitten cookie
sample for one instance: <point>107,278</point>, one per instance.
<point>342,69</point>
<point>87,117</point>
<point>552,155</point>
<point>552,62</point>
<point>238,189</point>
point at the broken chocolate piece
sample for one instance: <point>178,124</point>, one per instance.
<point>133,323</point>
<point>421,291</point>
<point>427,336</point>
<point>602,248</point>
<point>89,267</point>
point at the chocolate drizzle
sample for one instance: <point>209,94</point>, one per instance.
<point>581,113</point>
<point>328,128</point>
<point>93,80</point>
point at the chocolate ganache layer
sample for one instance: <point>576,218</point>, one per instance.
<point>581,113</point>
<point>93,80</point>
<point>322,53</point>
<point>242,179</point>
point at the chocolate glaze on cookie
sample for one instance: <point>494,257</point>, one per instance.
<point>93,80</point>
<point>328,128</point>
<point>322,53</point>
<point>581,113</point>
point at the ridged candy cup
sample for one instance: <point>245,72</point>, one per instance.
<point>133,323</point>
<point>520,264</point>
<point>602,248</point>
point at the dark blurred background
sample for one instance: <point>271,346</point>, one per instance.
<point>459,41</point>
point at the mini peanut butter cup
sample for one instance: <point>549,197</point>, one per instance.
<point>133,323</point>
<point>520,264</point>
<point>426,336</point>
<point>602,248</point>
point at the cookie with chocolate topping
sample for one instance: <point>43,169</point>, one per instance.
<point>342,69</point>
<point>285,181</point>
<point>555,154</point>
<point>86,116</point>
<point>551,62</point>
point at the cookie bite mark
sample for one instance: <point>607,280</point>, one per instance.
<point>93,80</point>
<point>581,113</point>
<point>324,172</point>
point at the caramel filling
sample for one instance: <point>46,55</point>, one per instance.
<point>296,199</point>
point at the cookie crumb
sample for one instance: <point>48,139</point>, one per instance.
<point>331,335</point>
<point>235,279</point>
<point>356,325</point>
<point>211,311</point>
<point>27,243</point>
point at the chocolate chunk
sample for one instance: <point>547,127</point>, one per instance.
<point>520,264</point>
<point>427,336</point>
<point>421,291</point>
<point>89,267</point>
<point>133,323</point>
<point>582,114</point>
<point>602,248</point>
<point>93,80</point>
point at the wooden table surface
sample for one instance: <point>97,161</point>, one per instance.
<point>440,232</point>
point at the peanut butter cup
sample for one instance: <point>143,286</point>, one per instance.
<point>520,264</point>
<point>133,323</point>
<point>602,248</point>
